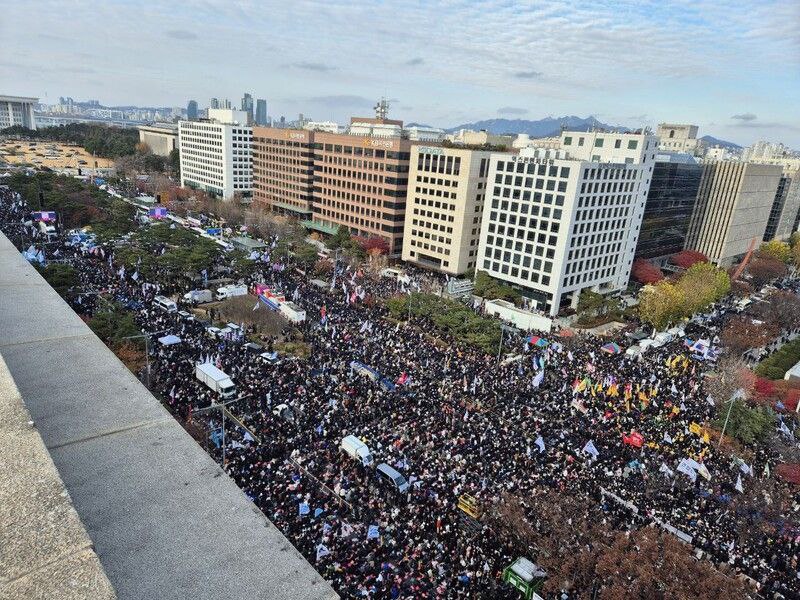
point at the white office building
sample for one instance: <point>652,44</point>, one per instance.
<point>558,221</point>
<point>17,110</point>
<point>216,154</point>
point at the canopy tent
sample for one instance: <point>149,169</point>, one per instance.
<point>611,348</point>
<point>169,340</point>
<point>535,340</point>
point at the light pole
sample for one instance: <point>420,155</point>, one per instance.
<point>222,406</point>
<point>146,335</point>
<point>503,328</point>
<point>739,393</point>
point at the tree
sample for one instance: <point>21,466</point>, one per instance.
<point>686,258</point>
<point>340,239</point>
<point>763,269</point>
<point>701,285</point>
<point>60,277</point>
<point>645,272</point>
<point>488,287</point>
<point>747,424</point>
<point>305,254</point>
<point>661,304</point>
<point>374,243</point>
<point>740,334</point>
<point>776,249</point>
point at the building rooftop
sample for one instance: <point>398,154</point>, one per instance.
<point>162,516</point>
<point>29,99</point>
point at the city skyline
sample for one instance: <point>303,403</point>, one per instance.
<point>729,69</point>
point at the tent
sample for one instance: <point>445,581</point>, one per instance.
<point>535,340</point>
<point>168,340</point>
<point>611,348</point>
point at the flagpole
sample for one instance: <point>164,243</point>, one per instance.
<point>725,425</point>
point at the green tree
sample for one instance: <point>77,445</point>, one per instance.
<point>489,287</point>
<point>747,424</point>
<point>60,277</point>
<point>114,324</point>
<point>340,239</point>
<point>305,254</point>
<point>175,162</point>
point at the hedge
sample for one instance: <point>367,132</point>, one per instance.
<point>776,365</point>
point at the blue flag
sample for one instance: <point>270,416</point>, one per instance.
<point>373,532</point>
<point>304,509</point>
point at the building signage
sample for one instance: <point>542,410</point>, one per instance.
<point>533,159</point>
<point>297,136</point>
<point>378,143</point>
<point>429,150</point>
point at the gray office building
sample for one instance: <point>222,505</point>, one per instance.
<point>191,110</point>
<point>261,112</point>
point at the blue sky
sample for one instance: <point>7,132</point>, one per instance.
<point>733,68</point>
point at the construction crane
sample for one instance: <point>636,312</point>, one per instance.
<point>745,260</point>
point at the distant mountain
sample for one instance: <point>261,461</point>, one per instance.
<point>416,125</point>
<point>712,141</point>
<point>550,126</point>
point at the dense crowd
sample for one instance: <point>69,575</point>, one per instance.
<point>560,413</point>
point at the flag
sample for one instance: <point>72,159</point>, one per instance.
<point>589,448</point>
<point>540,442</point>
<point>317,512</point>
<point>785,430</point>
<point>322,550</point>
<point>686,468</point>
<point>373,532</point>
<point>537,381</point>
<point>303,509</point>
<point>695,428</point>
<point>667,438</point>
<point>347,530</point>
<point>704,472</point>
<point>739,486</point>
<point>666,470</point>
<point>745,468</point>
<point>256,305</point>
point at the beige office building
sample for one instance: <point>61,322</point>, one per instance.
<point>679,138</point>
<point>162,139</point>
<point>732,209</point>
<point>469,137</point>
<point>446,191</point>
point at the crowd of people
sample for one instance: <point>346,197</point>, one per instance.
<point>561,413</point>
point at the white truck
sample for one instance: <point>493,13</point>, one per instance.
<point>47,229</point>
<point>216,380</point>
<point>199,296</point>
<point>292,312</point>
<point>231,291</point>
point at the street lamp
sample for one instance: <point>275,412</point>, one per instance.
<point>146,335</point>
<point>503,329</point>
<point>222,406</point>
<point>738,394</point>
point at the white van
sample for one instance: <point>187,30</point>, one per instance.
<point>357,450</point>
<point>165,303</point>
<point>392,477</point>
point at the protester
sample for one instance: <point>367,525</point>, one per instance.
<point>566,415</point>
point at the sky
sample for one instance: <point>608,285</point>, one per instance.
<point>731,67</point>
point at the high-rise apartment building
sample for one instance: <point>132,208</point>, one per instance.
<point>191,110</point>
<point>559,221</point>
<point>17,110</point>
<point>216,154</point>
<point>261,112</point>
<point>679,138</point>
<point>732,210</point>
<point>247,107</point>
<point>669,207</point>
<point>446,192</point>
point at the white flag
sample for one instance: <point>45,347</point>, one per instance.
<point>258,303</point>
<point>589,448</point>
<point>667,438</point>
<point>540,442</point>
<point>537,381</point>
<point>739,486</point>
<point>666,470</point>
<point>322,550</point>
<point>686,468</point>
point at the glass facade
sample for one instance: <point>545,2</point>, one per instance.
<point>670,202</point>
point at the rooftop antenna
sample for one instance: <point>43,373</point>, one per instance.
<point>382,108</point>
